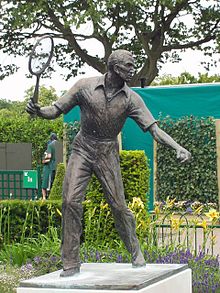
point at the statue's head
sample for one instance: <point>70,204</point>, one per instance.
<point>122,63</point>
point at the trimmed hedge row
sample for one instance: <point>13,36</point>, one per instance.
<point>20,219</point>
<point>194,181</point>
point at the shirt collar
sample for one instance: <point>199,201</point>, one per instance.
<point>101,83</point>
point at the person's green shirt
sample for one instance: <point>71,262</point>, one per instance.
<point>51,150</point>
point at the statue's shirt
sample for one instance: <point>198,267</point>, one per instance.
<point>103,117</point>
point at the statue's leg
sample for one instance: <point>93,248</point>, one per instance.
<point>108,171</point>
<point>76,179</point>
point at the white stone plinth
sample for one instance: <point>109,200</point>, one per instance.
<point>114,278</point>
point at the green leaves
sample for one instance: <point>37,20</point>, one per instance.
<point>27,219</point>
<point>186,78</point>
<point>56,190</point>
<point>196,180</point>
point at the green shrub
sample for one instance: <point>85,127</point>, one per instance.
<point>56,190</point>
<point>194,181</point>
<point>20,219</point>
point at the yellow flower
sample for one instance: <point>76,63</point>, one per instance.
<point>137,202</point>
<point>213,215</point>
<point>203,224</point>
<point>198,210</point>
<point>103,206</point>
<point>59,212</point>
<point>170,203</point>
<point>195,222</point>
<point>175,223</point>
<point>142,224</point>
<point>157,210</point>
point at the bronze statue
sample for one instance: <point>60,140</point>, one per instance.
<point>105,103</point>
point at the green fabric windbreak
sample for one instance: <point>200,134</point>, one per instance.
<point>202,100</point>
<point>178,101</point>
<point>73,115</point>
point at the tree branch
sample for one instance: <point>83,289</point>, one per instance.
<point>188,45</point>
<point>69,36</point>
<point>170,17</point>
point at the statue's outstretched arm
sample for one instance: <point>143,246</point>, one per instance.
<point>49,112</point>
<point>163,138</point>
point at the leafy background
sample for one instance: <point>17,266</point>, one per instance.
<point>196,180</point>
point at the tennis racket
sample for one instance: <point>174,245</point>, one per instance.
<point>39,60</point>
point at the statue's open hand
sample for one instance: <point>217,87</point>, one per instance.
<point>32,108</point>
<point>183,155</point>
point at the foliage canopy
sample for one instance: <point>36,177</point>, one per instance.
<point>154,31</point>
<point>185,78</point>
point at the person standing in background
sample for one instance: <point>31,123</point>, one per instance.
<point>49,168</point>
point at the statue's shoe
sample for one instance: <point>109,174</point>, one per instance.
<point>70,272</point>
<point>139,261</point>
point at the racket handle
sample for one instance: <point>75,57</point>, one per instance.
<point>33,115</point>
<point>36,90</point>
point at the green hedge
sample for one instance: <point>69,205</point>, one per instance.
<point>194,181</point>
<point>56,190</point>
<point>20,219</point>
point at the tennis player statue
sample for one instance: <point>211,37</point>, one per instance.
<point>105,102</point>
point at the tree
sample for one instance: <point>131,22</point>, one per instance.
<point>185,78</point>
<point>5,104</point>
<point>46,97</point>
<point>154,31</point>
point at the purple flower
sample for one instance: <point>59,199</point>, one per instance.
<point>97,256</point>
<point>53,259</point>
<point>119,258</point>
<point>189,210</point>
<point>27,267</point>
<point>37,260</point>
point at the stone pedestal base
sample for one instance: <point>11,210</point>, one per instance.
<point>114,278</point>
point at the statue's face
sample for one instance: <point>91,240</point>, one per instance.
<point>125,67</point>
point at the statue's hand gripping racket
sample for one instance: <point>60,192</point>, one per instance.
<point>39,60</point>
